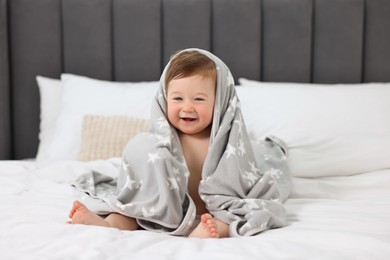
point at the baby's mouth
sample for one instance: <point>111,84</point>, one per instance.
<point>188,119</point>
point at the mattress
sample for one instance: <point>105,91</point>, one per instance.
<point>344,217</point>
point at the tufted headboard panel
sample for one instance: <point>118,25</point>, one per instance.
<point>321,41</point>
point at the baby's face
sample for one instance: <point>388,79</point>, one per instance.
<point>190,103</point>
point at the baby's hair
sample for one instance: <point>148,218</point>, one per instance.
<point>189,63</point>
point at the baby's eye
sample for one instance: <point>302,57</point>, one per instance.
<point>177,98</point>
<point>199,99</point>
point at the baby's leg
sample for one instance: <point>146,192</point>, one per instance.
<point>80,214</point>
<point>121,222</point>
<point>206,228</point>
<point>222,227</point>
<point>210,227</point>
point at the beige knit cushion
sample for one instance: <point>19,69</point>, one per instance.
<point>104,137</point>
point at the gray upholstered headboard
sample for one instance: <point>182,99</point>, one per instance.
<point>324,41</point>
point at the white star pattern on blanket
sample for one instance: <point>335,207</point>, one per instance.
<point>148,214</point>
<point>254,168</point>
<point>152,157</point>
<point>172,184</point>
<point>230,150</point>
<point>241,148</point>
<point>251,203</point>
<point>124,207</point>
<point>250,177</point>
<point>129,182</point>
<point>239,123</point>
<point>275,173</point>
<point>125,165</point>
<point>163,140</point>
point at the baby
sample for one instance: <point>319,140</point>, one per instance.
<point>196,160</point>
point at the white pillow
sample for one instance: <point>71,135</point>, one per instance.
<point>83,95</point>
<point>330,130</point>
<point>50,96</point>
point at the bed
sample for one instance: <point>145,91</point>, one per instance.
<point>77,77</point>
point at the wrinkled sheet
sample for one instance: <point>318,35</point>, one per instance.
<point>328,218</point>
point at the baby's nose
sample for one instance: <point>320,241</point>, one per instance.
<point>188,109</point>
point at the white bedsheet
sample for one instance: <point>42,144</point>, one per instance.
<point>328,218</point>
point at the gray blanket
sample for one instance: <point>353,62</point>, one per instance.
<point>244,183</point>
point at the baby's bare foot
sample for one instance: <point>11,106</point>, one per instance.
<point>80,214</point>
<point>207,228</point>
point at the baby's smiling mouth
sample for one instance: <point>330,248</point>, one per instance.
<point>188,119</point>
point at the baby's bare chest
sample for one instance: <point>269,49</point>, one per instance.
<point>195,152</point>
